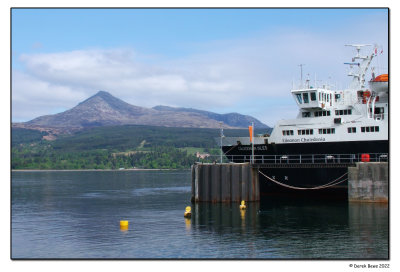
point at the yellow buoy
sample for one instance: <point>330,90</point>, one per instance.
<point>242,205</point>
<point>123,224</point>
<point>188,212</point>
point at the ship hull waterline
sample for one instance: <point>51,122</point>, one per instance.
<point>303,180</point>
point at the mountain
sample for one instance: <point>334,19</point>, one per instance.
<point>231,119</point>
<point>103,109</point>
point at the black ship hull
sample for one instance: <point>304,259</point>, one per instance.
<point>352,147</point>
<point>303,169</point>
<point>315,182</point>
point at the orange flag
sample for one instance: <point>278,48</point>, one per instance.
<point>251,133</point>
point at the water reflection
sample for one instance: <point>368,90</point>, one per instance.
<point>287,228</point>
<point>222,216</point>
<point>369,228</point>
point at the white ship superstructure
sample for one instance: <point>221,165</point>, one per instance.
<point>353,114</point>
<point>356,114</point>
<point>333,130</point>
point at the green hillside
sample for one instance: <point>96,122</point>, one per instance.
<point>115,147</point>
<point>23,136</point>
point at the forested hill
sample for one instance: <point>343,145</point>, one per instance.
<point>115,147</point>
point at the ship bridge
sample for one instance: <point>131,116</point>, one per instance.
<point>314,98</point>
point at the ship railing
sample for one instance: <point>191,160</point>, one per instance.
<point>304,158</point>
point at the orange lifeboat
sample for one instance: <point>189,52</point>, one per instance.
<point>381,78</point>
<point>380,83</point>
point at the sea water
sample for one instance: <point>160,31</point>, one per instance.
<point>76,215</point>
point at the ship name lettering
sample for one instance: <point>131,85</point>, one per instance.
<point>248,148</point>
<point>290,140</point>
<point>315,139</point>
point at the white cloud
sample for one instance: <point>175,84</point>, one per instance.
<point>228,72</point>
<point>32,97</point>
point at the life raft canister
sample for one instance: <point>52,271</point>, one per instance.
<point>365,157</point>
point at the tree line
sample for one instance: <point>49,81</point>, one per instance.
<point>160,157</point>
<point>114,148</point>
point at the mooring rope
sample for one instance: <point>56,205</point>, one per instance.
<point>230,150</point>
<point>329,184</point>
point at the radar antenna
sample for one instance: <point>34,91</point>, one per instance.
<point>358,78</point>
<point>358,48</point>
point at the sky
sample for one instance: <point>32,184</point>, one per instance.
<point>220,60</point>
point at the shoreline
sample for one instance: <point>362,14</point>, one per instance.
<point>93,170</point>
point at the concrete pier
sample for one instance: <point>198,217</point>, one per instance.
<point>368,182</point>
<point>227,182</point>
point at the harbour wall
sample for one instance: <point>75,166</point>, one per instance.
<point>224,182</point>
<point>368,182</point>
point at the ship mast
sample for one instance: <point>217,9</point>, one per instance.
<point>358,81</point>
<point>301,74</point>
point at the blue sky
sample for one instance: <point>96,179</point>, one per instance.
<point>223,60</point>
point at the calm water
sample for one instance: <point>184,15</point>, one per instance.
<point>76,215</point>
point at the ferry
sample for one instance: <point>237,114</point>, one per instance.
<point>334,129</point>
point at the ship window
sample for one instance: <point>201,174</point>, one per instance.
<point>305,132</point>
<point>351,130</point>
<point>319,97</point>
<point>305,97</point>
<point>326,131</point>
<point>370,129</point>
<point>337,120</point>
<point>298,96</point>
<point>343,112</point>
<point>306,114</point>
<point>337,97</point>
<point>322,113</point>
<point>287,132</point>
<point>313,97</point>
